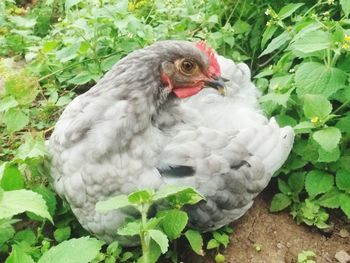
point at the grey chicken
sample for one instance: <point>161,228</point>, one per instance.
<point>159,118</point>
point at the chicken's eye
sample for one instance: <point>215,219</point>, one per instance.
<point>188,66</point>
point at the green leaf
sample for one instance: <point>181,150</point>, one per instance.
<point>345,204</point>
<point>284,188</point>
<point>109,62</point>
<point>330,199</point>
<point>268,33</point>
<point>345,5</point>
<point>276,43</point>
<point>160,238</point>
<point>18,201</point>
<point>69,3</point>
<point>32,148</point>
<point>23,22</point>
<point>179,195</point>
<point>49,197</point>
<point>26,235</point>
<point>174,222</point>
<point>279,202</point>
<point>141,196</point>
<point>7,103</point>
<point>113,203</point>
<point>68,53</point>
<point>62,234</point>
<point>316,106</point>
<point>328,156</point>
<point>342,180</point>
<point>344,124</point>
<point>81,78</point>
<point>222,238</point>
<point>241,27</point>
<point>316,78</point>
<point>18,255</point>
<point>81,250</point>
<point>296,182</point>
<point>213,244</point>
<point>196,241</point>
<point>15,120</point>
<point>318,182</point>
<point>132,228</point>
<point>328,138</point>
<point>312,41</point>
<point>23,88</point>
<point>12,179</point>
<point>288,10</point>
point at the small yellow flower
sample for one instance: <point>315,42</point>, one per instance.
<point>345,46</point>
<point>330,2</point>
<point>347,38</point>
<point>315,119</point>
<point>268,23</point>
<point>268,12</point>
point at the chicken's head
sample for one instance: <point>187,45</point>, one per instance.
<point>187,72</point>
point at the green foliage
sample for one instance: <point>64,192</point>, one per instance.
<point>311,47</point>
<point>306,256</point>
<point>166,225</point>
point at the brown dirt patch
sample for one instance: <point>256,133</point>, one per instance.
<point>279,238</point>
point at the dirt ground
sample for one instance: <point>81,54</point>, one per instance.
<point>279,238</point>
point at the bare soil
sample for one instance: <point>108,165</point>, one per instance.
<point>279,237</point>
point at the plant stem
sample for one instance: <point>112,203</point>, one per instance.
<point>145,240</point>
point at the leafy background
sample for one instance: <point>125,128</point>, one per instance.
<point>55,49</point>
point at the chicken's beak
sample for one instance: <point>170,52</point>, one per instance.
<point>217,83</point>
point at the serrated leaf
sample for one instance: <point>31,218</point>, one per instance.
<point>26,235</point>
<point>344,124</point>
<point>130,229</point>
<point>49,197</point>
<point>223,238</point>
<point>345,204</point>
<point>316,78</point>
<point>196,241</point>
<point>15,120</point>
<point>113,203</point>
<point>284,188</point>
<point>330,199</point>
<point>328,138</point>
<point>213,244</point>
<point>276,43</point>
<point>174,222</point>
<point>279,202</point>
<point>7,103</point>
<point>288,10</point>
<point>296,182</point>
<point>69,3</point>
<point>345,5</point>
<point>342,180</point>
<point>179,195</point>
<point>318,182</point>
<point>12,179</point>
<point>81,78</point>
<point>328,156</point>
<point>141,196</point>
<point>23,88</point>
<point>19,201</point>
<point>316,106</point>
<point>71,251</point>
<point>62,234</point>
<point>160,238</point>
<point>68,53</point>
<point>18,255</point>
<point>32,148</point>
<point>312,41</point>
<point>109,62</point>
<point>268,34</point>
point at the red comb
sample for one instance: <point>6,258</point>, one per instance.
<point>214,68</point>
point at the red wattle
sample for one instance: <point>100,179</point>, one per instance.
<point>184,92</point>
